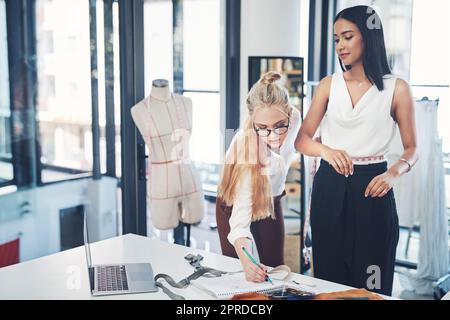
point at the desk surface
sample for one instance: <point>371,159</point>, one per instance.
<point>64,275</point>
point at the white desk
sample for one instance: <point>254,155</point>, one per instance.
<point>64,275</point>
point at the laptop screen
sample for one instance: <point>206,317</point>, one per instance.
<point>87,249</point>
<point>86,239</point>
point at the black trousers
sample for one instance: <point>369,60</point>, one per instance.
<point>354,239</point>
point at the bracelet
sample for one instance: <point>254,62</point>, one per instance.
<point>407,162</point>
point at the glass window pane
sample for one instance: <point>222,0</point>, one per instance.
<point>64,87</point>
<point>158,42</point>
<point>201,44</point>
<point>430,65</point>
<point>206,136</point>
<point>48,218</point>
<point>6,168</point>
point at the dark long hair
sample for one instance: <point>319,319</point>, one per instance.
<point>374,60</point>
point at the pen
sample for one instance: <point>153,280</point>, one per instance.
<point>256,263</point>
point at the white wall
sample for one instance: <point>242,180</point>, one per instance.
<point>268,28</point>
<point>40,228</point>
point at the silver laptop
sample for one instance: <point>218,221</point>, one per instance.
<point>117,279</point>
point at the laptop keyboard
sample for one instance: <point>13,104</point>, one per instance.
<point>111,278</point>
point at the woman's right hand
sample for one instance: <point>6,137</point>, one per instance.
<point>252,272</point>
<point>338,159</point>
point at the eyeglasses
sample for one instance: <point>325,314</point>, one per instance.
<point>263,132</point>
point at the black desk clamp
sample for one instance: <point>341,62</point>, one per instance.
<point>194,260</point>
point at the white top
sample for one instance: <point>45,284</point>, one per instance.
<point>365,130</point>
<point>241,215</point>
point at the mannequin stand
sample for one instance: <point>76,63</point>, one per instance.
<point>178,234</point>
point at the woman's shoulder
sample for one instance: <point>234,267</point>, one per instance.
<point>324,86</point>
<point>402,90</point>
<point>397,80</point>
<point>323,90</point>
<point>399,85</point>
<point>326,81</point>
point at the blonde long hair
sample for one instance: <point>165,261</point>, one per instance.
<point>248,154</point>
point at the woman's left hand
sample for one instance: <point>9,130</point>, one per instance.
<point>380,185</point>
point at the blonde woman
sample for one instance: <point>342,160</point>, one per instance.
<point>248,208</point>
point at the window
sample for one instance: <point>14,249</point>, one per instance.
<point>44,207</point>
<point>432,67</point>
<point>6,167</point>
<point>197,42</point>
<point>201,81</point>
<point>201,76</point>
<point>64,88</point>
<point>158,31</point>
<point>205,132</point>
<point>201,44</point>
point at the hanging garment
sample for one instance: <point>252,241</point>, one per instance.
<point>408,206</point>
<point>174,189</point>
<point>420,198</point>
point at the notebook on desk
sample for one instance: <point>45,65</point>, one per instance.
<point>228,285</point>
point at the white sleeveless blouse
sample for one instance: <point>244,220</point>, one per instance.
<point>364,131</point>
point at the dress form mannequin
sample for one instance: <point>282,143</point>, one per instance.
<point>175,195</point>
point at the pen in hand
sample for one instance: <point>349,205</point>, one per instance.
<point>256,263</point>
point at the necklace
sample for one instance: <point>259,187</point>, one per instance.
<point>360,83</point>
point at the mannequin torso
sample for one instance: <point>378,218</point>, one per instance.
<point>165,121</point>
